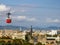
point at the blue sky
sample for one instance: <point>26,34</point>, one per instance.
<point>31,12</point>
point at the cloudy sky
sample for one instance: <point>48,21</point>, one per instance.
<point>31,12</point>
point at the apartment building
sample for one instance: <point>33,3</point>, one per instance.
<point>51,41</point>
<point>8,33</point>
<point>42,37</point>
<point>19,35</point>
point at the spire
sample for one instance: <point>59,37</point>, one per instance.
<point>31,30</point>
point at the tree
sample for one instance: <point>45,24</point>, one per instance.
<point>58,42</point>
<point>2,42</point>
<point>27,37</point>
<point>39,43</point>
<point>18,42</point>
<point>43,44</point>
<point>8,43</point>
<point>27,43</point>
<point>52,43</point>
<point>15,42</point>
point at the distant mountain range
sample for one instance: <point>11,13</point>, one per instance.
<point>27,28</point>
<point>48,28</point>
<point>9,27</point>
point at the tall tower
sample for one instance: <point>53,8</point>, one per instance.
<point>31,31</point>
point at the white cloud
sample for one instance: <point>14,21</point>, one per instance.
<point>31,19</point>
<point>29,5</point>
<point>24,18</point>
<point>19,17</point>
<point>19,10</point>
<point>53,20</point>
<point>23,7</point>
<point>4,7</point>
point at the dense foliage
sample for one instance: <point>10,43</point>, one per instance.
<point>17,42</point>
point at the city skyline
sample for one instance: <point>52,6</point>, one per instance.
<point>31,12</point>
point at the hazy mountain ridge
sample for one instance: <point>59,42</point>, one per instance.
<point>26,28</point>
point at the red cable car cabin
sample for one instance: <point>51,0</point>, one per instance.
<point>8,20</point>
